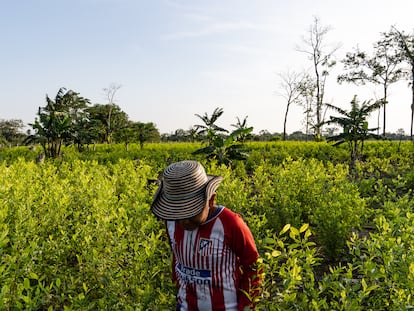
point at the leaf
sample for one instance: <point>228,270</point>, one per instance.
<point>26,283</point>
<point>293,232</point>
<point>33,276</point>
<point>364,284</point>
<point>285,229</point>
<point>304,228</point>
<point>276,253</point>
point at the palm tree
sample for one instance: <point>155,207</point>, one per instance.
<point>355,126</point>
<point>192,133</point>
<point>242,126</point>
<point>227,149</point>
<point>57,120</point>
<point>209,129</point>
<point>223,149</point>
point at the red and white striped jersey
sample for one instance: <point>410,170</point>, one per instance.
<point>208,261</point>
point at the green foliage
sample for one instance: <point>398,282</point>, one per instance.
<point>244,130</point>
<point>209,131</point>
<point>382,263</point>
<point>225,150</point>
<point>81,237</point>
<point>57,120</point>
<point>69,120</point>
<point>222,148</point>
<point>290,258</point>
<point>106,121</point>
<point>355,126</point>
<point>11,132</point>
<point>77,234</point>
<point>306,191</point>
<point>137,132</point>
<point>379,277</point>
<point>384,67</point>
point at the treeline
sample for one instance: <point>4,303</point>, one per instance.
<point>181,135</point>
<point>70,119</point>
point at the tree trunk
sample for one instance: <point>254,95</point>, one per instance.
<point>412,99</point>
<point>385,105</point>
<point>284,123</point>
<point>319,99</point>
<point>108,131</point>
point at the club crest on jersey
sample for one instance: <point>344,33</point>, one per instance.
<point>205,247</point>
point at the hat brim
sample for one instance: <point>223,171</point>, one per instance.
<point>169,209</point>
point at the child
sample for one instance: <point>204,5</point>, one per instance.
<point>215,260</point>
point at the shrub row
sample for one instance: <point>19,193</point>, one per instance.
<point>77,233</point>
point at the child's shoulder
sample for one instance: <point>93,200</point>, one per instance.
<point>230,216</point>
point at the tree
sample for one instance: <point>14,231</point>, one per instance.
<point>322,62</point>
<point>308,102</point>
<point>110,95</point>
<point>192,133</point>
<point>220,147</point>
<point>406,44</point>
<point>355,126</point>
<point>225,150</point>
<point>179,135</point>
<point>382,68</point>
<point>126,135</point>
<point>11,131</point>
<point>209,130</point>
<point>242,125</point>
<point>98,115</point>
<point>291,90</point>
<point>84,133</point>
<point>265,135</point>
<point>55,122</point>
<point>146,132</point>
<point>137,132</point>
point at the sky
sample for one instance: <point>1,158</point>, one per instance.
<point>173,59</point>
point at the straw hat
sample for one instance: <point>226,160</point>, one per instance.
<point>184,190</point>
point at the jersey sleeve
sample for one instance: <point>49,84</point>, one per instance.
<point>244,246</point>
<point>243,242</point>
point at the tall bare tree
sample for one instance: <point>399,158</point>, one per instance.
<point>291,89</point>
<point>308,102</point>
<point>322,61</point>
<point>110,96</point>
<point>406,43</point>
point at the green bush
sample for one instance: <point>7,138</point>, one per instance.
<point>80,236</point>
<point>289,260</point>
<point>307,191</point>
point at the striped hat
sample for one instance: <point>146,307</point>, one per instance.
<point>184,190</point>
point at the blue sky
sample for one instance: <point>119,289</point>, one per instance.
<point>174,59</point>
